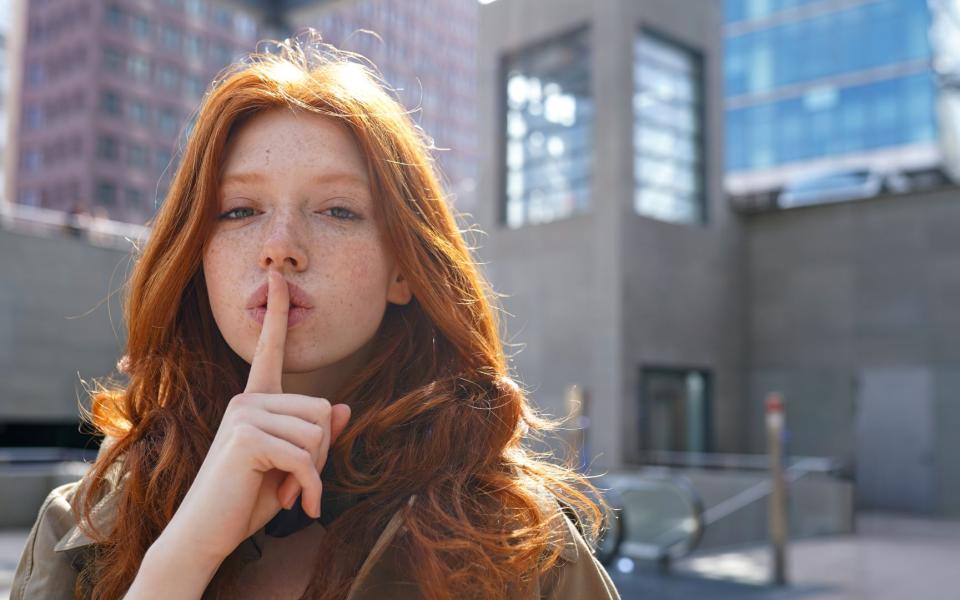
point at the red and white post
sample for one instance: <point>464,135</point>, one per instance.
<point>777,512</point>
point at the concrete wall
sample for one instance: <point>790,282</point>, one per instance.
<point>60,321</point>
<point>838,292</point>
<point>683,286</point>
<point>597,295</point>
<point>561,278</point>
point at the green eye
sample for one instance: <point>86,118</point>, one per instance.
<point>349,213</point>
<point>226,216</point>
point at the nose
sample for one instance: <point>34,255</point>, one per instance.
<point>283,247</point>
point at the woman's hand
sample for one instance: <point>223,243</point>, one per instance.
<point>265,438</point>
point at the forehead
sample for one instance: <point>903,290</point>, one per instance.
<point>279,143</point>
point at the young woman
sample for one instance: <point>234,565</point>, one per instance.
<point>318,402</point>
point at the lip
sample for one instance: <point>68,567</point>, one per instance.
<point>298,297</point>
<point>296,314</point>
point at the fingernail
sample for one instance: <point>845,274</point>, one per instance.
<point>317,512</point>
<point>291,498</point>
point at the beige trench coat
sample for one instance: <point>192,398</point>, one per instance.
<point>55,548</point>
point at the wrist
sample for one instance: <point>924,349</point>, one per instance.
<point>173,569</point>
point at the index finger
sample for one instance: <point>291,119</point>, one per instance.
<point>266,368</point>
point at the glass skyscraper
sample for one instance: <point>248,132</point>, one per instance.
<point>817,86</point>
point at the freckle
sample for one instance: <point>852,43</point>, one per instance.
<point>268,157</point>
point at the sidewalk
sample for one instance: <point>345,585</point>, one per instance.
<point>890,558</point>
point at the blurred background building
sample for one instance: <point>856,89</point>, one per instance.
<point>833,100</point>
<point>106,88</point>
<point>688,205</point>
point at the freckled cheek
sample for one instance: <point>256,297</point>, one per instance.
<point>223,266</point>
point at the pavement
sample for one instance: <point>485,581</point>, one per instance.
<point>891,557</point>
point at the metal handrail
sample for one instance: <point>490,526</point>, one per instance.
<point>683,545</point>
<point>674,546</point>
<point>750,462</point>
<point>757,492</point>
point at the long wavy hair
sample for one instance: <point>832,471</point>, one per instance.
<point>435,412</point>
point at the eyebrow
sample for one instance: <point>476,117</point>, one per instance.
<point>332,177</point>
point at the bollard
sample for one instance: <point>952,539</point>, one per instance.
<point>777,512</point>
<point>576,401</point>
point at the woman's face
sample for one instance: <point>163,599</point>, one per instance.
<point>295,196</point>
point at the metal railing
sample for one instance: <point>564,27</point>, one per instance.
<point>661,515</point>
<point>97,231</point>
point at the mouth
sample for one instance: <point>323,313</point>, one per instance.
<point>295,315</point>
<point>300,307</point>
<point>298,297</point>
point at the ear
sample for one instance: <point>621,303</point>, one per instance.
<point>399,290</point>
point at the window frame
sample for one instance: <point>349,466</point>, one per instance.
<point>701,140</point>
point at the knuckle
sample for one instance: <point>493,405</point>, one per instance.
<point>316,433</point>
<point>245,433</point>
<point>242,414</point>
<point>238,401</point>
<point>304,456</point>
<point>323,410</point>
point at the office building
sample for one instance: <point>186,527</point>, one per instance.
<point>601,197</point>
<point>106,90</point>
<point>836,94</point>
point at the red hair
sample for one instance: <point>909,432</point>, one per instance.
<point>436,392</point>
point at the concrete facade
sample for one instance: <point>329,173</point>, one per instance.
<point>601,294</point>
<point>61,322</point>
<point>841,295</point>
<point>845,309</point>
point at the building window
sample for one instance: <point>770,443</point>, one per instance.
<point>833,121</point>
<point>107,147</point>
<point>168,76</point>
<point>196,86</point>
<point>136,155</point>
<point>32,160</point>
<point>140,27</point>
<point>223,17</point>
<point>221,54</point>
<point>30,197</point>
<point>113,59</point>
<point>167,120</point>
<point>196,8</point>
<point>36,73</point>
<point>138,67</point>
<point>110,102</point>
<point>114,17</point>
<point>162,157</point>
<point>244,25</point>
<point>138,112</point>
<point>134,197</point>
<point>106,194</point>
<point>548,126</point>
<point>668,131</point>
<point>171,37</point>
<point>34,116</point>
<point>194,46</point>
<point>674,412</point>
